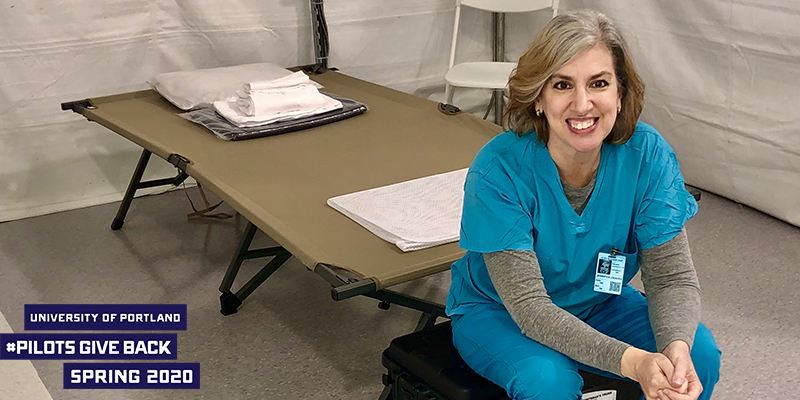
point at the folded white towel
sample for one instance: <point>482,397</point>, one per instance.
<point>297,78</point>
<point>230,110</point>
<point>281,100</point>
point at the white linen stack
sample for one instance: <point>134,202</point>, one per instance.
<point>290,97</point>
<point>293,79</point>
<point>279,100</point>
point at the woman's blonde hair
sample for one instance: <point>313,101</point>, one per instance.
<point>561,40</point>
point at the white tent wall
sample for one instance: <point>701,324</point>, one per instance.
<point>721,79</point>
<point>722,87</point>
<point>56,51</point>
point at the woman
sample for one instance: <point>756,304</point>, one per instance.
<point>575,183</point>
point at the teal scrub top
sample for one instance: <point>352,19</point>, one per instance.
<point>514,200</point>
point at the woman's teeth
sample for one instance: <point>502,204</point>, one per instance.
<point>581,125</point>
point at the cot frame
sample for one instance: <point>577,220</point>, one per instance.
<point>344,285</point>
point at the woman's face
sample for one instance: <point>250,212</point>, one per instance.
<point>580,102</point>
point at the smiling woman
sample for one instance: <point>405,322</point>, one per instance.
<point>559,214</point>
<point>581,102</point>
<point>558,44</point>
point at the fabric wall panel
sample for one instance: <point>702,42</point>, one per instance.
<point>721,79</point>
<point>721,87</point>
<point>402,45</point>
<point>764,126</point>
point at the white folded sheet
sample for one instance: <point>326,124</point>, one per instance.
<point>230,110</point>
<point>280,100</point>
<point>413,215</point>
<point>294,79</point>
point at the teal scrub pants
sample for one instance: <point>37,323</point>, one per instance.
<point>491,343</point>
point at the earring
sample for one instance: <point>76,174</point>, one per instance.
<point>619,109</point>
<point>538,113</point>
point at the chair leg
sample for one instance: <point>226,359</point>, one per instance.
<point>498,107</point>
<point>448,94</point>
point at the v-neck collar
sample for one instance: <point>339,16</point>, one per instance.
<point>578,197</point>
<point>581,222</point>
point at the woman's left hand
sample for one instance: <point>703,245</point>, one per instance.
<point>684,380</point>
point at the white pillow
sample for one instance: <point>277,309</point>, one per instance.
<point>201,88</point>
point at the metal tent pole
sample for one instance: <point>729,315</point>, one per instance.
<point>499,36</point>
<point>320,26</point>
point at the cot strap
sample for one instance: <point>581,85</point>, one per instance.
<point>206,212</point>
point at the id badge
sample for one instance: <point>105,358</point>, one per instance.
<point>609,273</point>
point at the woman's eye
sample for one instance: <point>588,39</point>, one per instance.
<point>600,84</point>
<point>561,85</point>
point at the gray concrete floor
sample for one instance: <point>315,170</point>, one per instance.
<point>291,341</point>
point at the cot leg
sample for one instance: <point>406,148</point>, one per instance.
<point>430,311</point>
<point>345,286</point>
<point>136,184</point>
<point>426,320</point>
<point>238,257</point>
<point>135,180</point>
<point>263,274</point>
<point>230,302</point>
<point>386,394</point>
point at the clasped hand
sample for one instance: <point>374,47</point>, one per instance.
<point>669,375</point>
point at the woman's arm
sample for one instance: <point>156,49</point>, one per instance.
<point>673,298</point>
<point>518,280</point>
<point>673,291</point>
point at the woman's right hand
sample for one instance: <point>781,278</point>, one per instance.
<point>651,370</point>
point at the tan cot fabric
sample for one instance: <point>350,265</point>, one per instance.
<point>281,183</point>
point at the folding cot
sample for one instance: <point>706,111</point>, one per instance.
<point>281,183</point>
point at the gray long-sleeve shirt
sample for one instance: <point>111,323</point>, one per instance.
<point>670,281</point>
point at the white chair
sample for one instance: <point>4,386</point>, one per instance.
<point>488,74</point>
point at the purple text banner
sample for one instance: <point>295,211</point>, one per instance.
<point>131,376</point>
<point>89,346</point>
<point>105,317</point>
